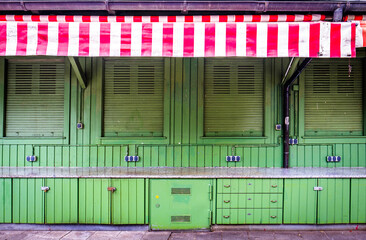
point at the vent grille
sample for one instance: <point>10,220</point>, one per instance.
<point>181,191</point>
<point>181,219</point>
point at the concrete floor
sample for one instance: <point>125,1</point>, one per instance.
<point>218,235</point>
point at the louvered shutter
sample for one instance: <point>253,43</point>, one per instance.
<point>234,97</point>
<point>134,97</point>
<point>35,99</point>
<point>333,97</point>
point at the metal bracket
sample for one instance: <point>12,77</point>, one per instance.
<point>45,189</point>
<point>80,75</point>
<point>318,189</point>
<point>112,189</point>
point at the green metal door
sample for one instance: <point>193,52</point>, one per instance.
<point>62,201</point>
<point>300,201</point>
<point>180,204</point>
<point>5,200</point>
<point>28,200</point>
<point>333,201</point>
<point>358,204</point>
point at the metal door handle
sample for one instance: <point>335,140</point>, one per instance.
<point>273,216</point>
<point>45,189</point>
<point>226,216</point>
<point>274,186</point>
<point>112,189</point>
<point>226,201</point>
<point>273,201</point>
<point>227,186</point>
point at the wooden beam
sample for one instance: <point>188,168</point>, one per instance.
<point>80,75</point>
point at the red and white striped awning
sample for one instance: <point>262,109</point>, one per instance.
<point>177,36</point>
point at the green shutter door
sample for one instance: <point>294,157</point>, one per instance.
<point>35,98</point>
<point>358,204</point>
<point>134,97</point>
<point>234,97</point>
<point>5,200</point>
<point>333,97</point>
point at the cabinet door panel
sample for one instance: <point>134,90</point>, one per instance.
<point>358,198</point>
<point>5,200</point>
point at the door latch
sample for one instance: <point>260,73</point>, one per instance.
<point>45,189</point>
<point>112,189</point>
<point>318,188</point>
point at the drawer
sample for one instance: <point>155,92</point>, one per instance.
<point>249,216</point>
<point>249,200</point>
<point>249,185</point>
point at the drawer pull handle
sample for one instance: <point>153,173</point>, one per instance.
<point>112,189</point>
<point>226,216</point>
<point>273,216</point>
<point>273,201</point>
<point>249,199</point>
<point>274,186</point>
<point>227,186</point>
<point>226,201</point>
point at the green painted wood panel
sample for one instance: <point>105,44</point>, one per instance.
<point>5,200</point>
<point>250,185</point>
<point>28,200</point>
<point>300,201</point>
<point>128,201</point>
<point>249,200</point>
<point>358,204</point>
<point>94,201</point>
<point>333,201</point>
<point>249,216</point>
<point>61,201</point>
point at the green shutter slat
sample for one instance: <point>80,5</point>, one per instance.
<point>35,99</point>
<point>234,97</point>
<point>133,97</point>
<point>333,97</point>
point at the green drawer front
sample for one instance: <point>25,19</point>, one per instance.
<point>358,205</point>
<point>249,216</point>
<point>250,185</point>
<point>250,200</point>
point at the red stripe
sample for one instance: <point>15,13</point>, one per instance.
<point>308,18</point>
<point>2,17</point>
<point>188,42</point>
<point>314,40</point>
<point>293,40</point>
<point>209,40</point>
<point>223,18</point>
<point>322,17</point>
<point>335,40</point>
<point>154,18</point>
<point>103,19</point>
<point>167,39</point>
<point>363,26</point>
<point>188,18</point>
<point>21,39</point>
<point>358,17</point>
<point>137,18</point>
<point>172,19</point>
<point>84,39</point>
<point>69,18</point>
<point>86,18</point>
<point>105,39</point>
<point>52,18</point>
<point>146,45</point>
<point>290,18</point>
<point>125,39</point>
<point>272,40</point>
<point>231,39</point>
<point>206,19</point>
<point>18,18</point>
<point>251,40</point>
<point>273,18</point>
<point>2,39</point>
<point>36,18</point>
<point>239,18</point>
<point>63,39</point>
<point>256,18</point>
<point>42,38</point>
<point>120,18</point>
<point>353,40</point>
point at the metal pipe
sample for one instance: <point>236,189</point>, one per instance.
<point>286,110</point>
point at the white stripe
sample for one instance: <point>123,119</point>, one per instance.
<point>146,19</point>
<point>52,45</point>
<point>32,38</point>
<point>346,40</point>
<point>231,18</point>
<point>262,40</point>
<point>299,18</point>
<point>79,19</point>
<point>60,18</point>
<point>136,39</point>
<point>316,17</point>
<point>178,32</point>
<point>359,36</point>
<point>220,39</point>
<point>128,19</point>
<point>27,18</point>
<point>115,45</point>
<point>199,40</point>
<point>214,18</point>
<point>248,18</point>
<point>112,19</point>
<point>73,39</point>
<point>157,39</point>
<point>304,39</point>
<point>265,18</point>
<point>241,39</point>
<point>282,48</point>
<point>282,18</point>
<point>94,39</point>
<point>197,18</point>
<point>94,19</point>
<point>324,39</point>
<point>179,18</point>
<point>11,38</point>
<point>9,18</point>
<point>163,19</point>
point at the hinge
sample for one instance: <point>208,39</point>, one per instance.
<point>112,189</point>
<point>209,217</point>
<point>318,188</point>
<point>45,189</point>
<point>210,191</point>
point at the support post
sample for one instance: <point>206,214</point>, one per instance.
<point>80,75</point>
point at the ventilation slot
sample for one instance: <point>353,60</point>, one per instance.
<point>181,191</point>
<point>182,219</point>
